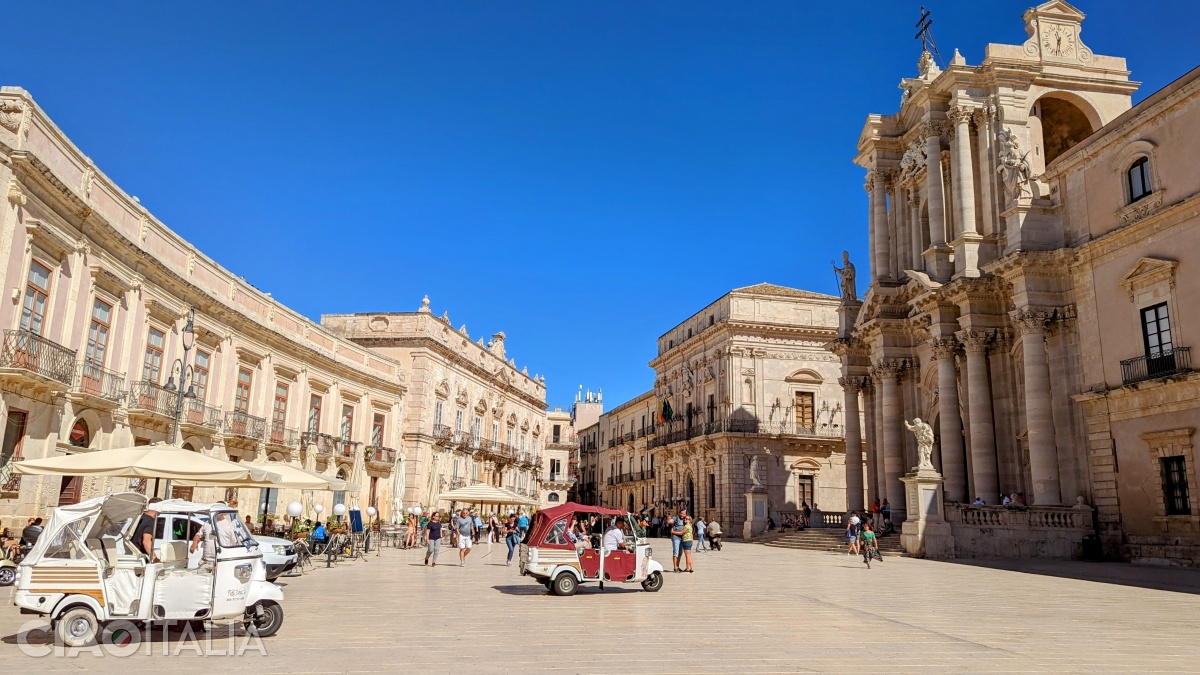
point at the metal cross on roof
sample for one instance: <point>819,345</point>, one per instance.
<point>925,35</point>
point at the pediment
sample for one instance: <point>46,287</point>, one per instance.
<point>805,376</point>
<point>1148,272</point>
<point>1058,9</point>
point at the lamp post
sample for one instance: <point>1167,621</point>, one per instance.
<point>371,513</point>
<point>185,379</point>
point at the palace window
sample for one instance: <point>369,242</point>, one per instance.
<point>1156,330</point>
<point>805,409</point>
<point>377,425</point>
<point>1138,176</point>
<point>437,414</point>
<point>37,292</point>
<point>477,428</point>
<point>154,356</point>
<point>241,393</point>
<point>458,422</point>
<point>200,374</point>
<point>314,413</point>
<point>1175,487</point>
<point>97,342</point>
<point>279,411</point>
<point>347,421</point>
<point>495,431</point>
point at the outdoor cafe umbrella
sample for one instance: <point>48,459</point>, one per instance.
<point>289,477</point>
<point>158,460</point>
<point>482,493</point>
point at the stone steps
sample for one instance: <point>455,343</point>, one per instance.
<point>827,539</point>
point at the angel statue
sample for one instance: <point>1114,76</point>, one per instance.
<point>1014,167</point>
<point>924,434</point>
<point>845,275</point>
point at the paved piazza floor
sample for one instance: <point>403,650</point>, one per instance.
<point>748,609</point>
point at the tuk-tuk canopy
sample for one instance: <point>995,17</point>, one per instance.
<point>70,526</point>
<point>543,520</point>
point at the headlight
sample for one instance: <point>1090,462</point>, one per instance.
<point>279,550</point>
<point>242,573</point>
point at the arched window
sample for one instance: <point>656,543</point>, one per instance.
<point>189,446</point>
<point>1138,177</point>
<point>339,497</point>
<point>552,497</point>
<point>81,436</point>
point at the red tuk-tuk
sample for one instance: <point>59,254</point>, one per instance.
<point>552,555</point>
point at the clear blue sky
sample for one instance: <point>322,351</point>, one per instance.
<point>582,175</point>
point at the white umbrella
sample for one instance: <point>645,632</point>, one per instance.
<point>482,493</point>
<point>159,460</point>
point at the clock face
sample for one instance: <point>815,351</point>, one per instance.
<point>1058,40</point>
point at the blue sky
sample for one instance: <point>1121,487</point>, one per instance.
<point>582,175</point>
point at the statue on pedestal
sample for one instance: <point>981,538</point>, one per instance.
<point>924,434</point>
<point>754,478</point>
<point>845,275</point>
<point>1015,170</point>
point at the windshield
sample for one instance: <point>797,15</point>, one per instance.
<point>68,542</point>
<point>230,531</point>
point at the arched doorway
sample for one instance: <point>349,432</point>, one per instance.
<point>630,507</point>
<point>691,496</point>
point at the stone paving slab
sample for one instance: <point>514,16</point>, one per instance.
<point>747,609</point>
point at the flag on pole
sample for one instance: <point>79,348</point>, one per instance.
<point>665,413</point>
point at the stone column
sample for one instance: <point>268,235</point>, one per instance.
<point>1043,454</point>
<point>982,119</point>
<point>966,244</point>
<point>979,402</point>
<point>872,234</point>
<point>914,228</point>
<point>882,242</point>
<point>880,474</point>
<point>954,462</point>
<point>937,256</point>
<point>868,393</point>
<point>854,455</point>
<point>893,442</point>
<point>900,251</point>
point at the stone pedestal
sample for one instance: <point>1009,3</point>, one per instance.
<point>756,513</point>
<point>926,532</point>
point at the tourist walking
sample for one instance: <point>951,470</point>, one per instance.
<point>675,527</point>
<point>478,525</point>
<point>433,535</point>
<point>886,510</point>
<point>687,540</point>
<point>852,529</point>
<point>512,536</point>
<point>522,527</point>
<point>410,538</point>
<point>465,526</point>
<point>807,513</point>
<point>493,534</point>
<point>870,545</point>
<point>701,529</point>
<point>875,513</point>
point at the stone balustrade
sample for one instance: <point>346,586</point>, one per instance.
<point>1019,532</point>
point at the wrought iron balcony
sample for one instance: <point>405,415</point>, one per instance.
<point>148,397</point>
<point>456,483</point>
<point>92,380</point>
<point>676,432</point>
<point>379,458</point>
<point>442,434</point>
<point>346,449</point>
<point>279,434</point>
<point>32,354</point>
<point>325,444</point>
<point>243,425</point>
<point>1149,367</point>
<point>202,416</point>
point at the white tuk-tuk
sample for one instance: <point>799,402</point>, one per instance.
<point>85,570</point>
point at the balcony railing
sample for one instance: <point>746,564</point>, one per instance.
<point>1032,517</point>
<point>244,425</point>
<point>324,443</point>
<point>377,454</point>
<point>456,483</point>
<point>93,380</point>
<point>200,415</point>
<point>346,448</point>
<point>1167,362</point>
<point>147,396</point>
<point>283,435</point>
<point>674,433</point>
<point>442,434</point>
<point>30,352</point>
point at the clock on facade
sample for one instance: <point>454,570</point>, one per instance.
<point>1058,40</point>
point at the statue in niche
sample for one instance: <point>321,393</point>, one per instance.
<point>1014,168</point>
<point>924,434</point>
<point>845,275</point>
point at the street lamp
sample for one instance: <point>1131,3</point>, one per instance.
<point>185,378</point>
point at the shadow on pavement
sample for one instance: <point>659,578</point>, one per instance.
<point>1174,579</point>
<point>588,589</point>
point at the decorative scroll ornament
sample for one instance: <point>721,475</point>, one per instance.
<point>10,115</point>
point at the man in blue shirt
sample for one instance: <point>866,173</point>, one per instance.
<point>318,536</point>
<point>522,526</point>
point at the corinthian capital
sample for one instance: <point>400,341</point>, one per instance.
<point>888,368</point>
<point>975,341</point>
<point>851,385</point>
<point>944,348</point>
<point>931,129</point>
<point>1032,320</point>
<point>959,114</point>
<point>869,184</point>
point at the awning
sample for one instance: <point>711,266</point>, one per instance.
<point>482,493</point>
<point>159,460</point>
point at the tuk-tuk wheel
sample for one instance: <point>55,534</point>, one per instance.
<point>263,619</point>
<point>653,582</point>
<point>565,584</point>
<point>8,576</point>
<point>77,627</point>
